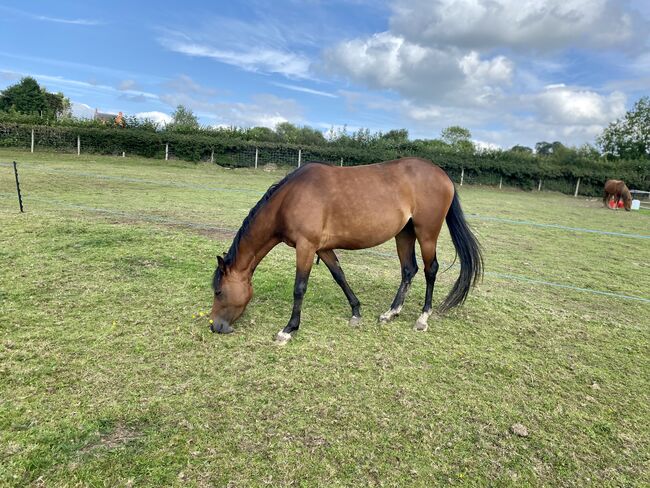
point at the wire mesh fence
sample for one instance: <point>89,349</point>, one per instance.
<point>120,142</point>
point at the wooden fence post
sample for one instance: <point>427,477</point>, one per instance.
<point>123,154</point>
<point>78,145</point>
<point>299,157</point>
<point>500,182</point>
<point>341,162</point>
<point>462,176</point>
<point>167,151</point>
<point>212,156</point>
<point>577,188</point>
<point>257,156</point>
<point>32,145</point>
<point>539,186</point>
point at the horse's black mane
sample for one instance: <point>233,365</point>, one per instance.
<point>231,255</point>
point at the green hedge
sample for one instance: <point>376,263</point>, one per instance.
<point>513,169</point>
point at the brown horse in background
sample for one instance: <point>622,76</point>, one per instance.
<point>618,190</point>
<point>318,208</point>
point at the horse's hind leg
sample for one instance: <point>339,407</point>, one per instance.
<point>405,241</point>
<point>431,266</point>
<point>332,263</point>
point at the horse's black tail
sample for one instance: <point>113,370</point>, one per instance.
<point>469,252</point>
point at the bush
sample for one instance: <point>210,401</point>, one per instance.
<point>515,168</point>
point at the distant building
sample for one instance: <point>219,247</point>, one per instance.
<point>112,119</point>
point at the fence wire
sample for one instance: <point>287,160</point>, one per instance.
<point>370,252</point>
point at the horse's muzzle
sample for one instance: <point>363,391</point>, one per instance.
<point>221,327</point>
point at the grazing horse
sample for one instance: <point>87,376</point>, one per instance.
<point>618,190</point>
<point>318,208</point>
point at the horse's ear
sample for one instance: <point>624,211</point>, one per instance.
<point>221,264</point>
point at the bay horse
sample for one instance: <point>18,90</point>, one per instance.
<point>618,190</point>
<point>318,208</point>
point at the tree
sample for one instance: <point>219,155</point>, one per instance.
<point>29,98</point>
<point>183,119</point>
<point>544,148</point>
<point>398,136</point>
<point>57,104</point>
<point>458,138</point>
<point>629,136</point>
<point>25,97</point>
<point>287,132</point>
<point>521,149</point>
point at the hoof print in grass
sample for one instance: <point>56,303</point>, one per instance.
<point>519,430</point>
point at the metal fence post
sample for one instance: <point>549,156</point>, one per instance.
<point>78,145</point>
<point>32,145</point>
<point>539,186</point>
<point>500,182</point>
<point>20,198</point>
<point>462,176</point>
<point>123,154</point>
<point>577,188</point>
<point>257,155</point>
<point>341,162</point>
<point>167,151</point>
<point>299,157</point>
<point>212,156</point>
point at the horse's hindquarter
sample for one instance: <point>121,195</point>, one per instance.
<point>358,207</point>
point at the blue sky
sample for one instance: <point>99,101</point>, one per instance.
<point>512,71</point>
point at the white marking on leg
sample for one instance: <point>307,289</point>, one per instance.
<point>282,338</point>
<point>393,312</point>
<point>422,323</point>
<point>355,321</point>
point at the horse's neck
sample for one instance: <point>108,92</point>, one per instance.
<point>256,243</point>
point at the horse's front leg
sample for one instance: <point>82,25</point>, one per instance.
<point>304,260</point>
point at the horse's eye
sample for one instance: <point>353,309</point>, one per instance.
<point>217,293</point>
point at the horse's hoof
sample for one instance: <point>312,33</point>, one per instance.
<point>221,328</point>
<point>355,321</point>
<point>421,326</point>
<point>282,338</point>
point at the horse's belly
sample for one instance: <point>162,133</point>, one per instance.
<point>359,231</point>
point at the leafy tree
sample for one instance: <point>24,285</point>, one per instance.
<point>396,135</point>
<point>292,134</point>
<point>57,104</point>
<point>261,134</point>
<point>521,149</point>
<point>183,119</point>
<point>27,97</point>
<point>544,148</point>
<point>287,132</point>
<point>629,136</point>
<point>459,138</point>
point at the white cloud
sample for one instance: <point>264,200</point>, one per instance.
<point>517,24</point>
<point>263,60</point>
<point>155,116</point>
<point>573,106</point>
<point>185,84</point>
<point>82,110</point>
<point>45,18</point>
<point>304,89</point>
<point>127,85</point>
<point>264,110</point>
<point>68,21</point>
<point>387,61</point>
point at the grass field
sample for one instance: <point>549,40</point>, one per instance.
<point>106,379</point>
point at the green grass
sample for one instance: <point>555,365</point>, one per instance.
<point>107,380</point>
